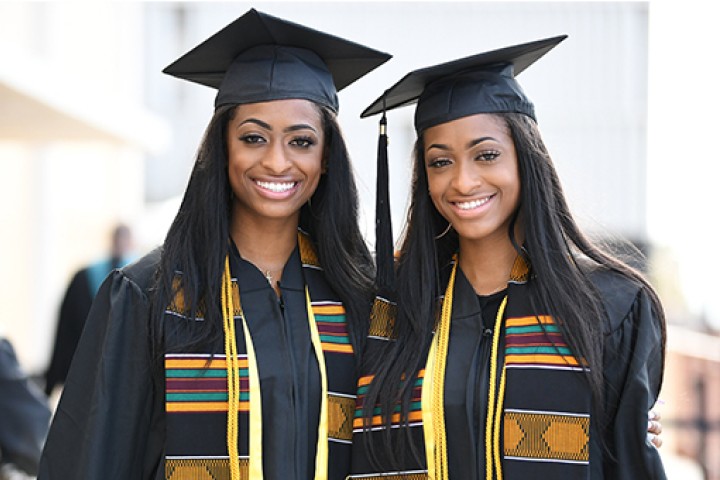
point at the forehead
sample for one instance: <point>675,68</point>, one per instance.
<point>280,112</point>
<point>474,126</point>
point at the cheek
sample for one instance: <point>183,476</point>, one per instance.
<point>435,191</point>
<point>314,167</point>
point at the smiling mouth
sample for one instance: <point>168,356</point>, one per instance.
<point>473,203</point>
<point>276,187</point>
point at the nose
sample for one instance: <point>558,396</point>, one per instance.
<point>276,159</point>
<point>466,177</point>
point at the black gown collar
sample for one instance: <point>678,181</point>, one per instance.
<point>251,279</point>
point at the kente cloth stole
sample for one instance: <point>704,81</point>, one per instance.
<point>542,429</point>
<point>197,392</point>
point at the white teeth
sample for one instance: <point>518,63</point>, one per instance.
<point>472,204</point>
<point>276,187</point>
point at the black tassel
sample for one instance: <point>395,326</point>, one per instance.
<point>384,245</point>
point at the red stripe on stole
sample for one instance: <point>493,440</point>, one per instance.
<point>535,339</point>
<point>203,385</point>
<point>332,328</point>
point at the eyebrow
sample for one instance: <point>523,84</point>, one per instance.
<point>470,144</point>
<point>478,141</point>
<point>267,126</point>
<point>300,126</point>
<point>262,124</point>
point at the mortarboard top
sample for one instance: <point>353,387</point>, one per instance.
<point>482,83</point>
<point>259,58</point>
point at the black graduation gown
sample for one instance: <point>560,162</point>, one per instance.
<point>73,311</point>
<point>632,369</point>
<point>111,421</point>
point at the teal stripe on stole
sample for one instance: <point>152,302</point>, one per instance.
<point>533,329</point>
<point>203,397</point>
<point>200,373</point>
<point>334,339</point>
<point>330,318</point>
<point>536,349</point>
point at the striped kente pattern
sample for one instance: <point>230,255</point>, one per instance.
<point>547,435</point>
<point>202,469</point>
<point>198,384</point>
<point>415,414</point>
<point>332,327</point>
<point>536,341</point>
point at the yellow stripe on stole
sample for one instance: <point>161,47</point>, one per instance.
<point>539,358</point>
<point>328,309</point>
<point>204,406</point>
<point>337,348</point>
<point>171,363</point>
<point>529,321</point>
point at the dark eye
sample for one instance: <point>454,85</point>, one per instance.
<point>302,142</point>
<point>488,155</point>
<point>438,162</point>
<point>252,139</point>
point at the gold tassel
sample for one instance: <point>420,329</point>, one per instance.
<point>433,403</point>
<point>233,386</point>
<point>233,372</point>
<point>321,458</point>
<point>495,403</point>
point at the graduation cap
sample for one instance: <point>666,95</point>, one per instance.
<point>482,83</point>
<point>259,58</point>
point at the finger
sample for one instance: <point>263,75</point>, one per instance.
<point>654,427</point>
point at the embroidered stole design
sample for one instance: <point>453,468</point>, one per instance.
<point>542,393</point>
<point>197,389</point>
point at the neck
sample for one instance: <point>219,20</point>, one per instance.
<point>267,244</point>
<point>487,264</point>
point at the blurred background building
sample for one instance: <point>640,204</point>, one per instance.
<point>92,134</point>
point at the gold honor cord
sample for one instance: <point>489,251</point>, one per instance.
<point>321,459</point>
<point>433,403</point>
<point>495,403</point>
<point>233,384</point>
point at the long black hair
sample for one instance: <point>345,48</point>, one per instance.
<point>553,246</point>
<point>197,242</point>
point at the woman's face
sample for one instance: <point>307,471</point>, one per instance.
<point>275,158</point>
<point>473,177</point>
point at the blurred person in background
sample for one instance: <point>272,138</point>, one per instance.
<point>230,351</point>
<point>511,347</point>
<point>24,418</point>
<point>76,304</point>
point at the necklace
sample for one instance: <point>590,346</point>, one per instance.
<point>268,276</point>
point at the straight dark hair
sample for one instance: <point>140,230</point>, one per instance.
<point>197,242</point>
<point>555,249</point>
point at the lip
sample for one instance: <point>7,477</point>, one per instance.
<point>472,207</point>
<point>276,189</point>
